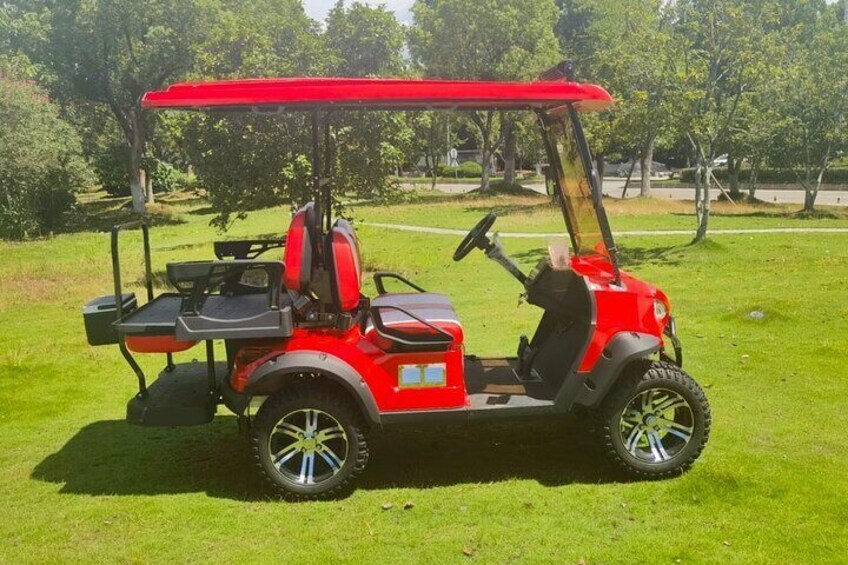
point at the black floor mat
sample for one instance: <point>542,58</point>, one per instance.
<point>497,377</point>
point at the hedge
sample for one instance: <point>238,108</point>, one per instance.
<point>836,175</point>
<point>466,170</point>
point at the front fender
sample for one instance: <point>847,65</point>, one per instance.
<point>622,349</point>
<point>273,374</point>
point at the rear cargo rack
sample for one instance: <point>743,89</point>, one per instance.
<point>214,300</point>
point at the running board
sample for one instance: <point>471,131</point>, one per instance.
<point>179,397</point>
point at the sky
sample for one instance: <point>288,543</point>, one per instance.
<point>318,9</point>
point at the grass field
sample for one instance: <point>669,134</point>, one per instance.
<point>80,485</point>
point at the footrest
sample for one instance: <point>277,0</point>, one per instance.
<point>179,397</point>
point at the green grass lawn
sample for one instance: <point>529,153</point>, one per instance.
<point>81,485</point>
<point>536,214</point>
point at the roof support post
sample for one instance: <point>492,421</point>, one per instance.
<point>329,160</point>
<point>316,158</point>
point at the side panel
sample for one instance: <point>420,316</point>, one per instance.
<point>621,350</point>
<point>625,307</point>
<point>367,371</point>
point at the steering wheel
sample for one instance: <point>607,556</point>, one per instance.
<point>475,238</point>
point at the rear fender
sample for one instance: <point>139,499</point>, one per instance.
<point>276,373</point>
<point>622,349</point>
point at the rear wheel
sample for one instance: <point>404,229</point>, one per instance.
<point>656,420</point>
<point>309,442</point>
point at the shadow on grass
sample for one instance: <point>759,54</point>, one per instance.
<point>627,255</point>
<point>112,457</point>
<point>510,209</point>
<point>101,214</point>
<point>663,255</point>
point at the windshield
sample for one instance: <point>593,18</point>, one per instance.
<point>573,183</point>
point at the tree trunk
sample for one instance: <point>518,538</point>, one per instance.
<point>629,176</point>
<point>699,187</point>
<point>646,164</point>
<point>704,215</point>
<point>813,191</point>
<point>752,180</point>
<point>485,127</point>
<point>487,160</point>
<point>136,150</point>
<point>733,167</point>
<point>431,160</point>
<point>509,151</point>
<point>600,163</point>
<point>136,185</point>
<point>147,181</point>
<point>809,200</point>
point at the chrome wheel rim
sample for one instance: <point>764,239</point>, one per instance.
<point>656,425</point>
<point>308,446</point>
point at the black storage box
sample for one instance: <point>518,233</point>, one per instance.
<point>101,313</point>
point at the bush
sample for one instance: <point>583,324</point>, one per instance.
<point>41,165</point>
<point>466,170</point>
<point>111,170</point>
<point>110,166</point>
<point>836,175</point>
<point>184,180</point>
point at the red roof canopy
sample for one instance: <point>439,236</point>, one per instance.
<point>404,94</point>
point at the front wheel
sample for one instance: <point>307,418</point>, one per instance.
<point>309,442</point>
<point>655,421</point>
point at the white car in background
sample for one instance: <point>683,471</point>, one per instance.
<point>658,170</point>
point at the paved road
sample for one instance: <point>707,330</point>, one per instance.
<point>448,231</point>
<point>614,186</point>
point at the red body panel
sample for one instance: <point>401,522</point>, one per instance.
<point>378,368</point>
<point>628,307</point>
<point>156,344</point>
<point>399,93</point>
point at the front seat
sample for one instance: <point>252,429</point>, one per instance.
<point>422,321</point>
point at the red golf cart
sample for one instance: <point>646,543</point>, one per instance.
<point>313,365</point>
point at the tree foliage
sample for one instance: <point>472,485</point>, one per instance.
<point>633,58</point>
<point>250,160</point>
<point>811,100</point>
<point>42,165</point>
<point>485,40</point>
<point>111,52</point>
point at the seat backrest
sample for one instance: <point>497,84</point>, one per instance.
<point>345,225</point>
<point>299,249</point>
<point>344,266</point>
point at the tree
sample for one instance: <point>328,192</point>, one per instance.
<point>485,40</point>
<point>250,160</point>
<point>433,137</point>
<point>364,41</point>
<point>364,148</point>
<point>42,165</point>
<point>810,96</point>
<point>719,59</point>
<point>630,56</point>
<point>113,51</point>
<point>247,160</point>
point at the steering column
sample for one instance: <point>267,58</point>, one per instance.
<point>493,249</point>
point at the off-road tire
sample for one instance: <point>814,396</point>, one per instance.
<point>638,378</point>
<point>318,397</point>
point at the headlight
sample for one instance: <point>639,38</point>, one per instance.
<point>660,310</point>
